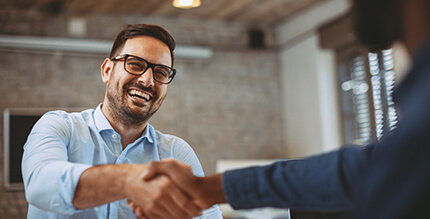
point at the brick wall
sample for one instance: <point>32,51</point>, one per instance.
<point>227,107</point>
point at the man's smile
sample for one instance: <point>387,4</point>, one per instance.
<point>139,94</point>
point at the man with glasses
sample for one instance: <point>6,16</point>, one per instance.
<point>87,164</point>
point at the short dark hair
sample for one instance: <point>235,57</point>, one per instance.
<point>134,30</point>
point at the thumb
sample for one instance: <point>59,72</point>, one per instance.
<point>150,172</point>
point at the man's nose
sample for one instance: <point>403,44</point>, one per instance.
<point>147,78</point>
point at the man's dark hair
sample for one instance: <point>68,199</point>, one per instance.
<point>378,23</point>
<point>134,30</point>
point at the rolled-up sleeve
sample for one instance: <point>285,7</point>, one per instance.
<point>49,179</point>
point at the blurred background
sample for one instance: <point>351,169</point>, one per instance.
<point>257,80</point>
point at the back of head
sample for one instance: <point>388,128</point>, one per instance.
<point>134,30</point>
<point>378,23</point>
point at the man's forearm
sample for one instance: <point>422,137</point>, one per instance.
<point>159,197</point>
<point>211,190</point>
<point>104,184</point>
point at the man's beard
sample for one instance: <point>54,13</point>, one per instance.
<point>123,113</point>
<point>378,23</point>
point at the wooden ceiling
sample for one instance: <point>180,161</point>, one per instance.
<point>257,12</point>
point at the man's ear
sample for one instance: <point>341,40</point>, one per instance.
<point>106,70</point>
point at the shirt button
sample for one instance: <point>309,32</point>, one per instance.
<point>114,136</point>
<point>120,157</point>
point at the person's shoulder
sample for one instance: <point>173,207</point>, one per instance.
<point>84,115</point>
<point>168,142</point>
<point>71,112</point>
<point>162,137</point>
<point>69,116</point>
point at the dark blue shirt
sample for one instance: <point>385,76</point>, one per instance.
<point>387,179</point>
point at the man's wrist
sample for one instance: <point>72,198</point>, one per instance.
<point>213,189</point>
<point>103,184</point>
<point>131,175</point>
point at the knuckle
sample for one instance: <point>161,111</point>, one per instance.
<point>184,204</point>
<point>150,207</point>
<point>165,183</point>
<point>152,164</point>
<point>157,197</point>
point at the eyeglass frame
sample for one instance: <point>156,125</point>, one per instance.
<point>149,65</point>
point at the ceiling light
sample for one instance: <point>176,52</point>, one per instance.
<point>186,4</point>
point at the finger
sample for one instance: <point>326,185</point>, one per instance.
<point>129,202</point>
<point>150,172</point>
<point>179,172</point>
<point>162,204</point>
<point>185,203</point>
<point>155,168</point>
<point>168,210</point>
<point>177,208</point>
<point>131,205</point>
<point>140,213</point>
<point>183,206</point>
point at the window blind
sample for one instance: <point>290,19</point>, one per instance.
<point>367,81</point>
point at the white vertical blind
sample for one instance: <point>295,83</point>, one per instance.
<point>376,93</point>
<point>368,81</point>
<point>361,99</point>
<point>389,86</point>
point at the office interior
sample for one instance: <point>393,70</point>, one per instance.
<point>250,88</point>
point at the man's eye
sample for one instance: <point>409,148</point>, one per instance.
<point>136,66</point>
<point>162,72</point>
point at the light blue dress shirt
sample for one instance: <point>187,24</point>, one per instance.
<point>62,145</point>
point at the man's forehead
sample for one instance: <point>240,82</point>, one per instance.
<point>147,47</point>
<point>145,40</point>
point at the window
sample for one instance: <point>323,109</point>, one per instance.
<point>366,82</point>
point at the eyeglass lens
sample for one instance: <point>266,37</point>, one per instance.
<point>138,66</point>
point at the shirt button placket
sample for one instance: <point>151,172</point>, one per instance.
<point>116,143</point>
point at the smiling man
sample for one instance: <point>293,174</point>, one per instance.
<point>87,164</point>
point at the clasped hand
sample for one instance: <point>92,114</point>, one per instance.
<point>172,192</point>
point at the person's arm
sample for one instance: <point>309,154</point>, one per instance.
<point>103,184</point>
<point>52,183</point>
<point>49,179</point>
<point>325,182</point>
<point>205,191</point>
<point>320,183</point>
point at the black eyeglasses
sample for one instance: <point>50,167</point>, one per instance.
<point>137,66</point>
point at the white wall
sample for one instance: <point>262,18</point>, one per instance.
<point>308,74</point>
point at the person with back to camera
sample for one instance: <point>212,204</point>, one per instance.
<point>388,179</point>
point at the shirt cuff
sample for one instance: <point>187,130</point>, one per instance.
<point>68,183</point>
<point>240,187</point>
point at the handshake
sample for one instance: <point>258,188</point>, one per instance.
<point>175,191</point>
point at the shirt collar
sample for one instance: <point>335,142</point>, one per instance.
<point>103,124</point>
<point>148,133</point>
<point>100,119</point>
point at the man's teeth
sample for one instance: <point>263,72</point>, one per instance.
<point>139,94</point>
